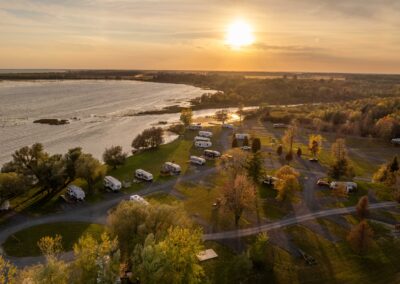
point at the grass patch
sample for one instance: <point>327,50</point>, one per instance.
<point>24,243</point>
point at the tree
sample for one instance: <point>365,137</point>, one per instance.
<point>339,150</point>
<point>287,183</point>
<point>258,252</point>
<point>360,237</point>
<point>233,163</point>
<point>246,141</point>
<point>387,172</point>
<point>238,195</point>
<point>394,165</point>
<point>95,261</point>
<point>362,207</point>
<point>149,138</point>
<point>171,260</point>
<point>315,144</point>
<point>234,143</point>
<point>256,145</point>
<point>52,174</point>
<point>114,156</point>
<point>222,115</point>
<point>90,169</point>
<point>255,166</point>
<point>186,116</point>
<point>279,150</point>
<point>299,152</point>
<point>70,161</point>
<point>340,167</point>
<point>289,157</point>
<point>11,185</point>
<point>240,112</point>
<point>8,272</point>
<point>131,222</point>
<point>288,138</point>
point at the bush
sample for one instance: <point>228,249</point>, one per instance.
<point>149,138</point>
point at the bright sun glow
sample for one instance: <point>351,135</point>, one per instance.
<point>239,34</point>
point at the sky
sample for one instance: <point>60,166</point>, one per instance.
<point>290,35</point>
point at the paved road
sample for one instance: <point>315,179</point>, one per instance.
<point>291,221</point>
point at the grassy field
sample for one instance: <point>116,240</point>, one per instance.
<point>24,243</point>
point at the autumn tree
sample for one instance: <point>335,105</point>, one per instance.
<point>256,145</point>
<point>234,142</point>
<point>360,237</point>
<point>299,152</point>
<point>240,112</point>
<point>238,195</point>
<point>362,207</point>
<point>186,116</point>
<point>315,145</point>
<point>288,138</point>
<point>279,150</point>
<point>258,252</point>
<point>289,157</point>
<point>8,272</point>
<point>387,172</point>
<point>233,163</point>
<point>11,185</point>
<point>171,260</point>
<point>287,183</point>
<point>149,138</point>
<point>222,115</point>
<point>340,166</point>
<point>114,156</point>
<point>91,170</point>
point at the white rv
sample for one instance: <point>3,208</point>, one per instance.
<point>279,125</point>
<point>171,168</point>
<point>227,126</point>
<point>197,160</point>
<point>75,192</point>
<point>5,205</point>
<point>112,183</point>
<point>241,136</point>
<point>349,185</point>
<point>211,154</point>
<point>194,126</point>
<point>202,144</point>
<point>139,199</point>
<point>142,174</point>
<point>396,141</point>
<point>207,134</point>
<point>199,138</point>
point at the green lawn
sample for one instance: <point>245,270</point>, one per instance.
<point>24,243</point>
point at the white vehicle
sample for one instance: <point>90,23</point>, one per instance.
<point>142,174</point>
<point>227,126</point>
<point>396,141</point>
<point>270,180</point>
<point>242,136</point>
<point>171,168</point>
<point>279,125</point>
<point>349,185</point>
<point>5,205</point>
<point>203,144</point>
<point>197,160</point>
<point>112,183</point>
<point>199,138</point>
<point>211,154</point>
<point>75,192</point>
<point>137,198</point>
<point>207,134</point>
<point>246,148</point>
<point>194,126</point>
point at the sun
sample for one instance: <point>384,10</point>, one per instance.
<point>239,34</point>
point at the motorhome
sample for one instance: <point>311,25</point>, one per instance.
<point>200,138</point>
<point>197,160</point>
<point>211,154</point>
<point>142,174</point>
<point>227,126</point>
<point>75,192</point>
<point>349,185</point>
<point>171,168</point>
<point>207,134</point>
<point>112,183</point>
<point>203,144</point>
<point>242,136</point>
<point>194,126</point>
<point>139,199</point>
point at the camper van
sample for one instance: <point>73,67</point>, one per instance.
<point>227,126</point>
<point>139,199</point>
<point>171,168</point>
<point>207,134</point>
<point>142,174</point>
<point>75,192</point>
<point>349,185</point>
<point>194,126</point>
<point>241,136</point>
<point>211,154</point>
<point>197,160</point>
<point>202,144</point>
<point>199,138</point>
<point>112,183</point>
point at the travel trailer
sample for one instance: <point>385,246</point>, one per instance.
<point>349,185</point>
<point>207,134</point>
<point>139,199</point>
<point>194,126</point>
<point>142,174</point>
<point>211,154</point>
<point>199,138</point>
<point>270,180</point>
<point>396,141</point>
<point>241,136</point>
<point>112,183</point>
<point>171,168</point>
<point>202,144</point>
<point>75,192</point>
<point>197,160</point>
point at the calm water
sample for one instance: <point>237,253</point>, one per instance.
<point>100,112</point>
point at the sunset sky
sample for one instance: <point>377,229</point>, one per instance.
<point>289,35</point>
